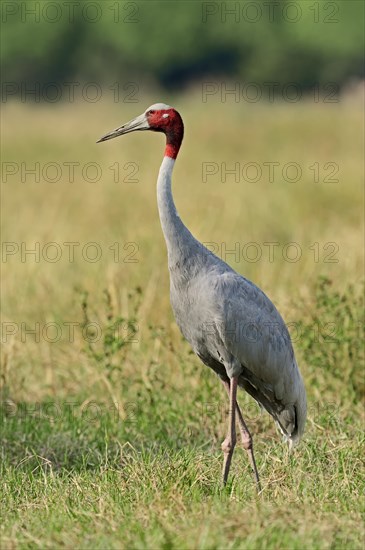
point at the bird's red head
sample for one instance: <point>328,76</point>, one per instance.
<point>158,118</point>
<point>162,118</point>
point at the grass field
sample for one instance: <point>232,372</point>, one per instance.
<point>111,427</point>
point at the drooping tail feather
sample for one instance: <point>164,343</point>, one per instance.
<point>290,417</point>
<point>291,420</point>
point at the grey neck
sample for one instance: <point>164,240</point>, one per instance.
<point>180,243</point>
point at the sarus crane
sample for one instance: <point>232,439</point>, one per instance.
<point>232,326</point>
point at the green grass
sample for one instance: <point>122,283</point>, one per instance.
<point>116,443</point>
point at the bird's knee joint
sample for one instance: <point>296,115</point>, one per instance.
<point>228,445</point>
<point>247,443</point>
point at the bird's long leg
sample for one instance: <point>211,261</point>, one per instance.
<point>246,437</point>
<point>230,441</point>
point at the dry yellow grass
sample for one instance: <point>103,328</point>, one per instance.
<point>231,214</point>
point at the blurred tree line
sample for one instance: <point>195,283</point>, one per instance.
<point>175,43</point>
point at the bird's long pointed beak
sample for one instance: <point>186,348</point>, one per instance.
<point>138,123</point>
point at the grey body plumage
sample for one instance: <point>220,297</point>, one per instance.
<point>230,323</point>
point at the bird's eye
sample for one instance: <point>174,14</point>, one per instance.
<point>151,112</point>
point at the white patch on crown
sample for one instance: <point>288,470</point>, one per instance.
<point>158,107</point>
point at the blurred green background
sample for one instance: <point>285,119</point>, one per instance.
<point>173,44</point>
